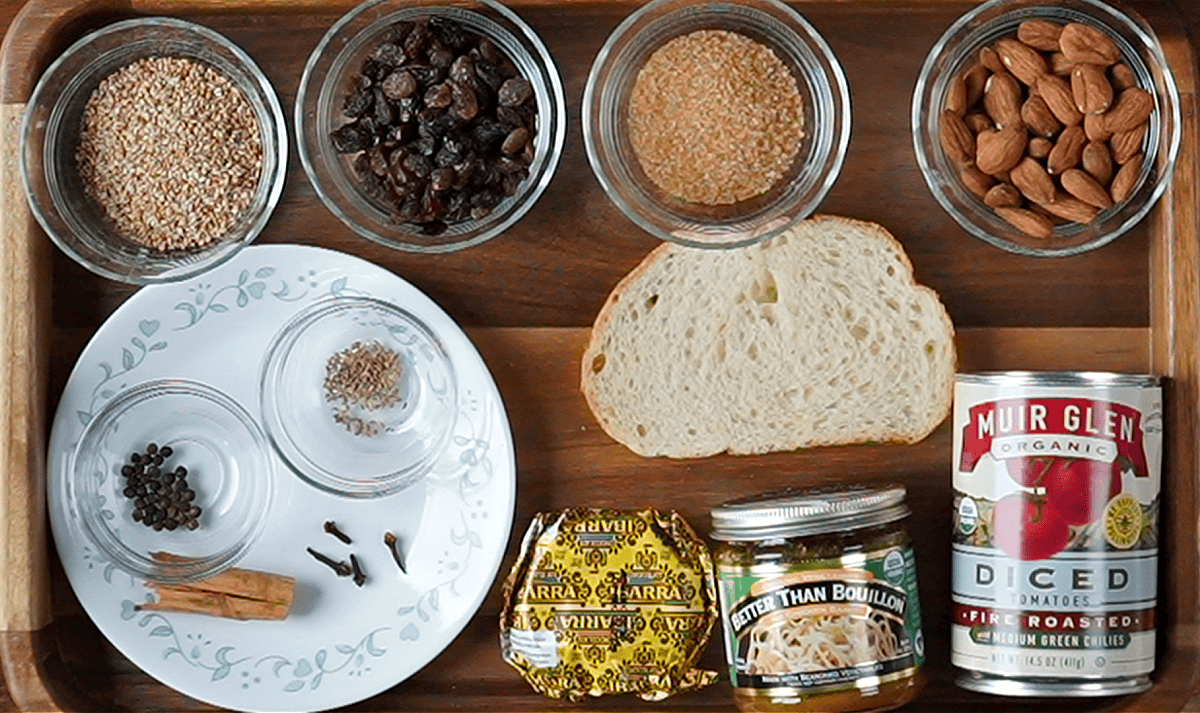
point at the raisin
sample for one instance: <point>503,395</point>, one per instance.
<point>465,105</point>
<point>489,131</point>
<point>463,69</point>
<point>450,33</point>
<point>397,32</point>
<point>383,110</point>
<point>438,56</point>
<point>439,96</point>
<point>515,141</point>
<point>442,123</point>
<point>450,153</point>
<point>389,55</point>
<point>399,84</point>
<point>442,179</point>
<point>418,39</point>
<point>514,92</point>
<point>357,104</point>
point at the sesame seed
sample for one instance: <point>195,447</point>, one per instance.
<point>169,149</point>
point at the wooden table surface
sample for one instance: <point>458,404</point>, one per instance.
<point>537,277</point>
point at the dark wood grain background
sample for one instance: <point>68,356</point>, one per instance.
<point>547,277</point>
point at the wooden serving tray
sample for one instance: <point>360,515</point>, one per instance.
<point>527,299</point>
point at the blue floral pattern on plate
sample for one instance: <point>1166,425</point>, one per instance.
<point>453,527</point>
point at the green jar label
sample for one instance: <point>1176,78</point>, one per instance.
<point>822,624</point>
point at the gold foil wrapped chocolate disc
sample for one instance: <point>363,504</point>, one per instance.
<point>609,601</point>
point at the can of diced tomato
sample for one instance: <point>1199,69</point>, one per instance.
<point>1055,551</point>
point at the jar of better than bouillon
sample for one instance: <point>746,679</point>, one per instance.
<point>818,593</point>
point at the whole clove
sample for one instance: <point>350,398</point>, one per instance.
<point>339,567</point>
<point>360,578</point>
<point>332,528</point>
<point>393,546</point>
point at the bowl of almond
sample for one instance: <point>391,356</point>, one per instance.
<point>1047,130</point>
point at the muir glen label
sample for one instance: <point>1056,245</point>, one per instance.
<point>1055,548</point>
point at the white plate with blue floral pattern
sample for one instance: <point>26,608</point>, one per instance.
<point>340,643</point>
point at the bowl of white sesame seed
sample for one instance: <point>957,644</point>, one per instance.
<point>716,124</point>
<point>153,149</point>
<point>358,396</point>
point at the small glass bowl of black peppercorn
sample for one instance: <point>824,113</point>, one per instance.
<point>428,126</point>
<point>172,481</point>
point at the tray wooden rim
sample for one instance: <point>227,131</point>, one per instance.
<point>1171,349</point>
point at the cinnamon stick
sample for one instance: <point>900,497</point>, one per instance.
<point>235,593</point>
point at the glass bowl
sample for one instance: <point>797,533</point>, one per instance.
<point>330,73</point>
<point>826,121</point>
<point>228,466</point>
<point>358,437</point>
<point>50,137</point>
<point>958,48</point>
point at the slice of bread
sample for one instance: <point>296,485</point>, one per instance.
<point>819,336</point>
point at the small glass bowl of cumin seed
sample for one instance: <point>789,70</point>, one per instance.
<point>229,477</point>
<point>358,396</point>
<point>716,124</point>
<point>153,149</point>
<point>375,41</point>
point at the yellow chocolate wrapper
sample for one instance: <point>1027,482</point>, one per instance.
<point>609,601</point>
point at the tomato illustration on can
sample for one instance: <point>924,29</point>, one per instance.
<point>1054,557</point>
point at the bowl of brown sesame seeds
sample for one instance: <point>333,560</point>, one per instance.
<point>358,396</point>
<point>716,124</point>
<point>153,149</point>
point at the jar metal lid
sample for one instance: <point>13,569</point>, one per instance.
<point>810,511</point>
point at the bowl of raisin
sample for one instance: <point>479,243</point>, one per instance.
<point>428,126</point>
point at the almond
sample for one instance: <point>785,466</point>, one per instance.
<point>999,151</point>
<point>977,122</point>
<point>1080,184</point>
<point>1040,34</point>
<point>1126,179</point>
<point>1084,43</point>
<point>1127,144</point>
<point>1022,60</point>
<point>1122,77</point>
<point>1060,65</point>
<point>1132,106</point>
<point>1003,195</point>
<point>1097,161</point>
<point>1057,95</point>
<point>957,140</point>
<point>1002,100</point>
<point>1067,150</point>
<point>1070,208</point>
<point>988,58</point>
<point>976,181</point>
<point>975,79</point>
<point>1027,222</point>
<point>1089,85</point>
<point>1040,147</point>
<point>1093,126</point>
<point>1032,180</point>
<point>956,95</point>
<point>1038,118</point>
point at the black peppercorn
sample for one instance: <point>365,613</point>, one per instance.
<point>160,498</point>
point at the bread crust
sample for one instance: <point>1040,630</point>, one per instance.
<point>602,328</point>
